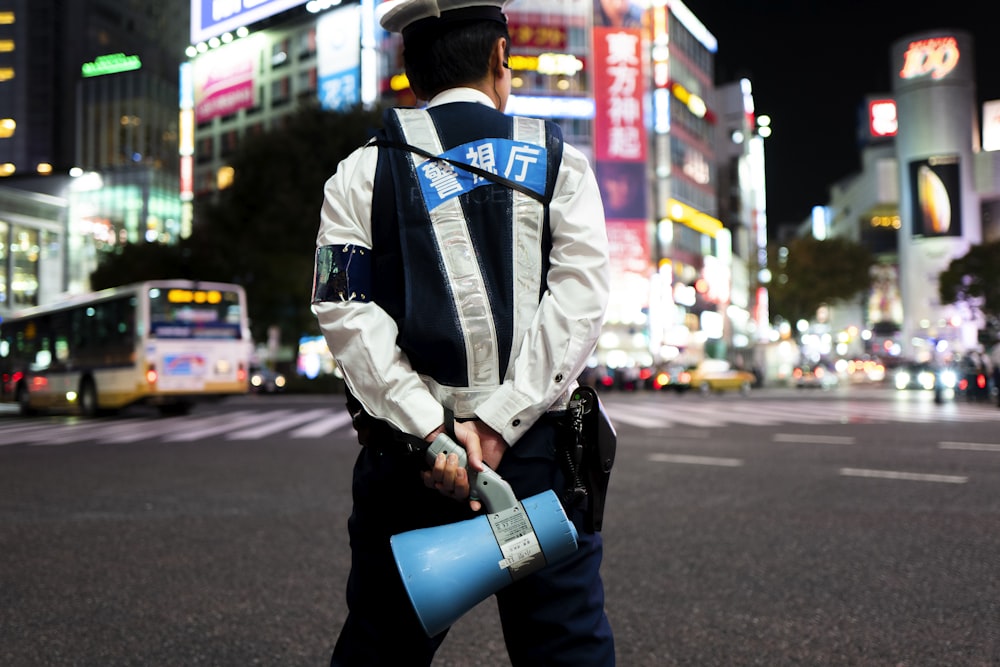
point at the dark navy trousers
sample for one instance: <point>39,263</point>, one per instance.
<point>552,618</point>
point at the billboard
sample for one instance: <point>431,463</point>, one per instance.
<point>935,195</point>
<point>224,80</point>
<point>991,125</point>
<point>214,17</point>
<point>338,55</point>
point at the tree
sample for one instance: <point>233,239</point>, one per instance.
<point>260,232</point>
<point>808,273</point>
<point>973,281</point>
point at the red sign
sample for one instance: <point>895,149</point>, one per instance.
<point>618,91</point>
<point>882,119</point>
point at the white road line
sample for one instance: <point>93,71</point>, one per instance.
<point>619,414</point>
<point>258,431</point>
<point>321,427</point>
<point>812,439</point>
<point>906,476</point>
<point>75,432</point>
<point>104,432</point>
<point>970,446</point>
<point>225,425</point>
<point>697,460</point>
<point>147,430</point>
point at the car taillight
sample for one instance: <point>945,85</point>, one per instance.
<point>241,373</point>
<point>981,381</point>
<point>662,379</point>
<point>151,375</point>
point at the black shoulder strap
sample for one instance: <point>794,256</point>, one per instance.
<point>482,173</point>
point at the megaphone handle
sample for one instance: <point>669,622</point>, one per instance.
<point>489,487</point>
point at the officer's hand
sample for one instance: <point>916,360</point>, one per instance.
<point>446,476</point>
<point>491,443</point>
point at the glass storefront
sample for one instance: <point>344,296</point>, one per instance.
<point>31,249</point>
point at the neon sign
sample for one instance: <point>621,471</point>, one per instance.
<point>935,57</point>
<point>882,120</point>
<point>111,64</point>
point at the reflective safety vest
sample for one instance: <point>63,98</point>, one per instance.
<point>460,261</point>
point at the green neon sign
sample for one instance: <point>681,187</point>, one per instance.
<point>112,63</point>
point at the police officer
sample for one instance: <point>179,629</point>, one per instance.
<point>461,282</point>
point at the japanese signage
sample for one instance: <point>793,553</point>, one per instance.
<point>620,152</point>
<point>338,44</point>
<point>618,89</point>
<point>516,161</point>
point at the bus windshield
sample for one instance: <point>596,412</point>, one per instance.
<point>194,313</point>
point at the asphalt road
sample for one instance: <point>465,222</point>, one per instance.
<point>850,538</point>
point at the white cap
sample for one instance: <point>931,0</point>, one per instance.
<point>401,15</point>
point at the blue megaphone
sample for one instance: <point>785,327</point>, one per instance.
<point>447,570</point>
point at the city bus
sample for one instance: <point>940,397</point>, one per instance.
<point>167,343</point>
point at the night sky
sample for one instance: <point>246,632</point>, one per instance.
<point>812,62</point>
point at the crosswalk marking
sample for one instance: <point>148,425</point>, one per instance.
<point>272,426</point>
<point>688,416</point>
<point>221,423</point>
<point>322,427</point>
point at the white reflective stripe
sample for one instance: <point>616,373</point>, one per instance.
<point>530,217</point>
<point>463,401</point>
<point>455,245</point>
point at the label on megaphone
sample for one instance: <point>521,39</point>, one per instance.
<point>522,554</point>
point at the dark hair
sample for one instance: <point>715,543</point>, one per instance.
<point>439,60</point>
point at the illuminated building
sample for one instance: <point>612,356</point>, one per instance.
<point>89,86</point>
<point>925,194</point>
<point>251,69</point>
<point>743,209</point>
<point>634,92</point>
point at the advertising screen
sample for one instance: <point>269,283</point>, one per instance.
<point>224,80</point>
<point>936,197</point>
<point>214,17</point>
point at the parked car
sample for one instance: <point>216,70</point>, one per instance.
<point>719,375</point>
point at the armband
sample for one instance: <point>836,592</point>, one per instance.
<point>343,273</point>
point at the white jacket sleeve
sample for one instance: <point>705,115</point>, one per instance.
<point>361,336</point>
<point>568,321</point>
